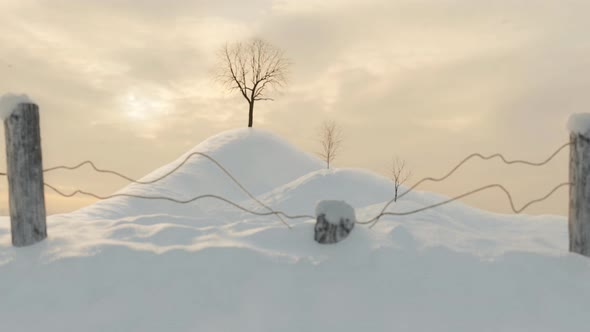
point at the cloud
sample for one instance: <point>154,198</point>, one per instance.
<point>416,73</point>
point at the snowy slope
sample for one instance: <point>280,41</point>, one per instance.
<point>259,159</point>
<point>129,265</point>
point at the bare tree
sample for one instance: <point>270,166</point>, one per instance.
<point>399,174</point>
<point>330,138</point>
<point>253,69</point>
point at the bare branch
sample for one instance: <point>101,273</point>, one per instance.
<point>330,137</point>
<point>252,69</point>
<point>232,74</point>
<point>399,174</point>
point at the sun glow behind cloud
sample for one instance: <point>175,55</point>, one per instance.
<point>143,108</point>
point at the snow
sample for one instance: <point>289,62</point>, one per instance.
<point>579,123</point>
<point>132,265</point>
<point>334,211</point>
<point>9,101</point>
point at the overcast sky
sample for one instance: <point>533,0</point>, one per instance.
<point>129,84</point>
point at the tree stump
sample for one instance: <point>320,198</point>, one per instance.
<point>25,175</point>
<point>335,220</point>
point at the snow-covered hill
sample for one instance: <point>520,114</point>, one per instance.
<point>131,265</point>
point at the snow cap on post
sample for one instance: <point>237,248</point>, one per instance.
<point>334,211</point>
<point>579,123</point>
<point>9,101</point>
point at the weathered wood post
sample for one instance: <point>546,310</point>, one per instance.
<point>25,175</point>
<point>579,177</point>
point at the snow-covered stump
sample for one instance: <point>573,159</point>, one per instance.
<point>579,177</point>
<point>25,174</point>
<point>335,220</point>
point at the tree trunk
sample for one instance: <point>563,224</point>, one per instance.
<point>251,114</point>
<point>25,176</point>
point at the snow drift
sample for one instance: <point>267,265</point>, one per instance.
<point>130,265</point>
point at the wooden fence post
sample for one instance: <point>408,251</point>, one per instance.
<point>25,175</point>
<point>579,209</point>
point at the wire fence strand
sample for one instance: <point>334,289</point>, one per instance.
<point>174,200</point>
<point>176,168</point>
<point>375,220</point>
<point>479,155</point>
<point>454,169</point>
<point>280,214</point>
